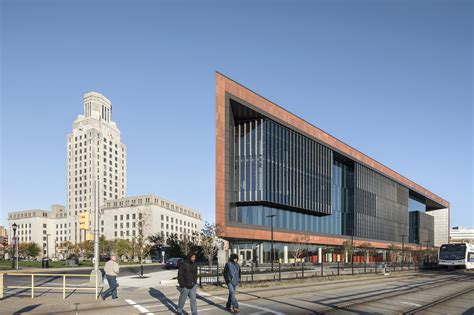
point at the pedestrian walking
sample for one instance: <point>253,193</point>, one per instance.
<point>111,272</point>
<point>187,280</point>
<point>232,274</point>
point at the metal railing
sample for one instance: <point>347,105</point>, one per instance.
<point>35,276</point>
<point>252,273</point>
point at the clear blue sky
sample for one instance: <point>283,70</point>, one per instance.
<point>391,78</point>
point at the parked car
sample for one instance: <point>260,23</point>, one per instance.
<point>173,263</point>
<point>156,259</point>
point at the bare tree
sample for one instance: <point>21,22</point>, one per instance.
<point>157,239</point>
<point>298,246</point>
<point>185,245</point>
<point>392,252</point>
<point>365,248</point>
<point>348,249</point>
<point>141,242</point>
<point>208,240</point>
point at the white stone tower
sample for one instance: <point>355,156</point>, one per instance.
<point>97,162</point>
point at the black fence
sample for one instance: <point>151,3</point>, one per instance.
<point>252,273</point>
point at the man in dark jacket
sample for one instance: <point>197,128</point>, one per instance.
<point>232,275</point>
<point>187,280</point>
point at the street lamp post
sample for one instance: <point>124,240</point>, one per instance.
<point>403,248</point>
<point>427,241</point>
<point>47,245</point>
<point>140,235</point>
<point>271,229</point>
<point>14,226</point>
<point>352,248</point>
<point>133,247</point>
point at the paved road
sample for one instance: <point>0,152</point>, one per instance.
<point>403,293</point>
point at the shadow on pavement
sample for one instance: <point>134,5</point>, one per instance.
<point>199,297</point>
<point>469,311</point>
<point>27,309</point>
<point>157,294</point>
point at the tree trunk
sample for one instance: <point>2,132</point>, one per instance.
<point>209,259</point>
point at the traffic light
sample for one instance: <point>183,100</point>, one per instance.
<point>84,220</point>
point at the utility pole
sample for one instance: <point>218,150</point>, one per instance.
<point>271,229</point>
<point>96,275</point>
<point>96,232</point>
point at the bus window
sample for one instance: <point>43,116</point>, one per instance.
<point>452,252</point>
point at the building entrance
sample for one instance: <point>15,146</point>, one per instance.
<point>245,255</point>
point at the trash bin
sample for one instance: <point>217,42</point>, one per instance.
<point>45,263</point>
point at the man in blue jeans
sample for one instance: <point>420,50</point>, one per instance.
<point>187,280</point>
<point>232,276</point>
<point>111,272</point>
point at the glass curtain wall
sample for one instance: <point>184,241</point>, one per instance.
<point>343,194</point>
<point>380,206</point>
<point>280,166</point>
<point>421,228</point>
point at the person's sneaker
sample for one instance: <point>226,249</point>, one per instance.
<point>228,308</point>
<point>102,296</point>
<point>235,310</point>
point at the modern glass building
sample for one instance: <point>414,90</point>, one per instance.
<point>273,169</point>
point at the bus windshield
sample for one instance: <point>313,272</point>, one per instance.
<point>452,252</point>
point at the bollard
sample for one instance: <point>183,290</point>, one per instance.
<point>217,267</point>
<point>322,268</point>
<point>302,270</point>
<point>1,286</point>
<point>365,266</point>
<point>64,287</point>
<point>32,286</point>
<point>338,268</point>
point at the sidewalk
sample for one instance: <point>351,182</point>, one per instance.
<point>165,278</point>
<point>58,270</point>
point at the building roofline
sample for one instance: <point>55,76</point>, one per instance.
<point>151,196</point>
<point>418,187</point>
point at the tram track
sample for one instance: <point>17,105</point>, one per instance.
<point>396,293</point>
<point>430,305</point>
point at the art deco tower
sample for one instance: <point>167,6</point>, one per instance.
<point>97,162</point>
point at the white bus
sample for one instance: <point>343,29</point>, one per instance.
<point>456,255</point>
